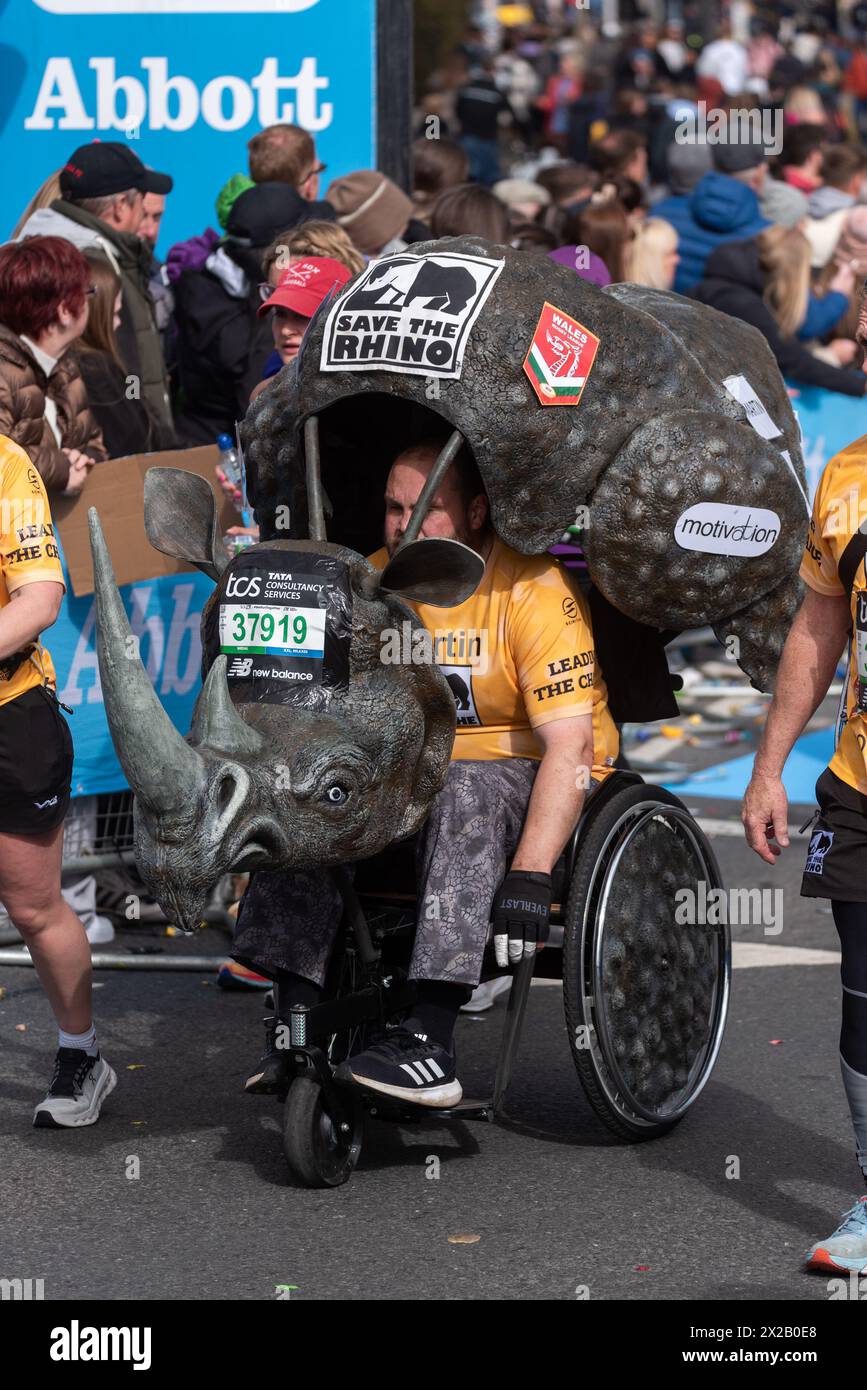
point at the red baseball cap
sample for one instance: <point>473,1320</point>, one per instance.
<point>305,284</point>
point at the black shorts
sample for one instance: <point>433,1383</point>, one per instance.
<point>35,764</point>
<point>836,865</point>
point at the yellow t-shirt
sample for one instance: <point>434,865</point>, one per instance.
<point>518,654</point>
<point>836,517</point>
<point>28,552</point>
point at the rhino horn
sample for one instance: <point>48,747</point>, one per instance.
<point>162,769</point>
<point>217,723</point>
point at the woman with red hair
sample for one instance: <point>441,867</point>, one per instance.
<point>45,284</point>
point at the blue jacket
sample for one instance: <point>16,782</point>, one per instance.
<point>718,209</point>
<point>822,314</point>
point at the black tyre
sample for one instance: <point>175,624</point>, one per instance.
<point>321,1149</point>
<point>645,997</point>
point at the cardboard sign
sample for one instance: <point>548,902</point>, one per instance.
<point>116,489</point>
<point>409,314</point>
<point>560,357</point>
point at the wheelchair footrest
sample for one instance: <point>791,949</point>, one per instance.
<point>403,1112</point>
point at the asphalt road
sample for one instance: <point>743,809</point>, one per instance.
<point>557,1204</point>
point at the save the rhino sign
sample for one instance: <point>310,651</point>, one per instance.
<point>408,313</point>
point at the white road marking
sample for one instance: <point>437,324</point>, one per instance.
<point>748,955</point>
<point>733,828</point>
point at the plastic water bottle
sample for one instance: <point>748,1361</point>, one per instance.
<point>229,461</point>
<point>233,469</point>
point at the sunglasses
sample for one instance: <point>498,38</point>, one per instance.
<point>320,169</point>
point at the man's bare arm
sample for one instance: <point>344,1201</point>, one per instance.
<point>811,653</point>
<point>558,792</point>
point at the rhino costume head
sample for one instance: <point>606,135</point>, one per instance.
<point>664,425</point>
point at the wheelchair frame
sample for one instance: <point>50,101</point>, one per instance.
<point>386,993</point>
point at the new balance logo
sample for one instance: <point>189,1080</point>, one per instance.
<point>41,805</point>
<point>421,1071</point>
<point>241,666</point>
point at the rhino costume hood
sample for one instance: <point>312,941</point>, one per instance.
<point>693,490</point>
<point>661,426</point>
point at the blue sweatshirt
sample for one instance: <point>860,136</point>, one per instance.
<point>719,209</point>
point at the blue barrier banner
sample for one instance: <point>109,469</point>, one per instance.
<point>188,82</point>
<point>829,421</point>
<point>164,615</point>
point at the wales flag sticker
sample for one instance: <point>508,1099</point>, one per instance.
<point>560,357</point>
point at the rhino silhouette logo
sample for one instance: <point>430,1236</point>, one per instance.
<point>819,845</point>
<point>410,313</point>
<point>460,690</point>
<point>403,281</point>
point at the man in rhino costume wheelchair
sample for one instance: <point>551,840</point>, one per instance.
<point>689,478</point>
<point>533,727</point>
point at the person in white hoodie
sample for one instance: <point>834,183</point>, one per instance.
<point>842,173</point>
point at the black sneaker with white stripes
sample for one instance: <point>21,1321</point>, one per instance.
<point>78,1087</point>
<point>408,1066</point>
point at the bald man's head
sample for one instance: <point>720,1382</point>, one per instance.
<point>458,509</point>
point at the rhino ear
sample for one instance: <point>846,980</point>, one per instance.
<point>437,571</point>
<point>180,516</point>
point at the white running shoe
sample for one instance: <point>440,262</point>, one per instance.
<point>846,1249</point>
<point>78,1087</point>
<point>99,930</point>
<point>485,995</point>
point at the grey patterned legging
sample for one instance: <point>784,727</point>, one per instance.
<point>289,920</point>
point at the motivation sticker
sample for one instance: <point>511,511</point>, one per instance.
<point>718,528</point>
<point>409,314</point>
<point>560,357</point>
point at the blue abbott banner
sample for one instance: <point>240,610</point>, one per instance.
<point>828,423</point>
<point>211,73</point>
<point>164,615</point>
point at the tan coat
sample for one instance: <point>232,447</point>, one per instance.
<point>23,388</point>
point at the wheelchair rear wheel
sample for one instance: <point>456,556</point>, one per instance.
<point>645,989</point>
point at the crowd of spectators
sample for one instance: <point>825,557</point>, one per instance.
<point>730,170</point>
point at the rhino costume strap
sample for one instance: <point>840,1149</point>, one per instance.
<point>667,423</point>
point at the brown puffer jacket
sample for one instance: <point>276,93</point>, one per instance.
<point>23,388</point>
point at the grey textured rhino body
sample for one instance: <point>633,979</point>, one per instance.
<point>655,434</point>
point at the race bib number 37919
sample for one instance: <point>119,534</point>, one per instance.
<point>284,623</point>
<point>252,628</point>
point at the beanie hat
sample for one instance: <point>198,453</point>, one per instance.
<point>596,271</point>
<point>686,165</point>
<point>783,204</point>
<point>231,190</point>
<point>513,192</point>
<point>370,208</point>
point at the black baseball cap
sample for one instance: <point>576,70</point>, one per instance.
<point>106,166</point>
<point>738,157</point>
<point>266,209</point>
